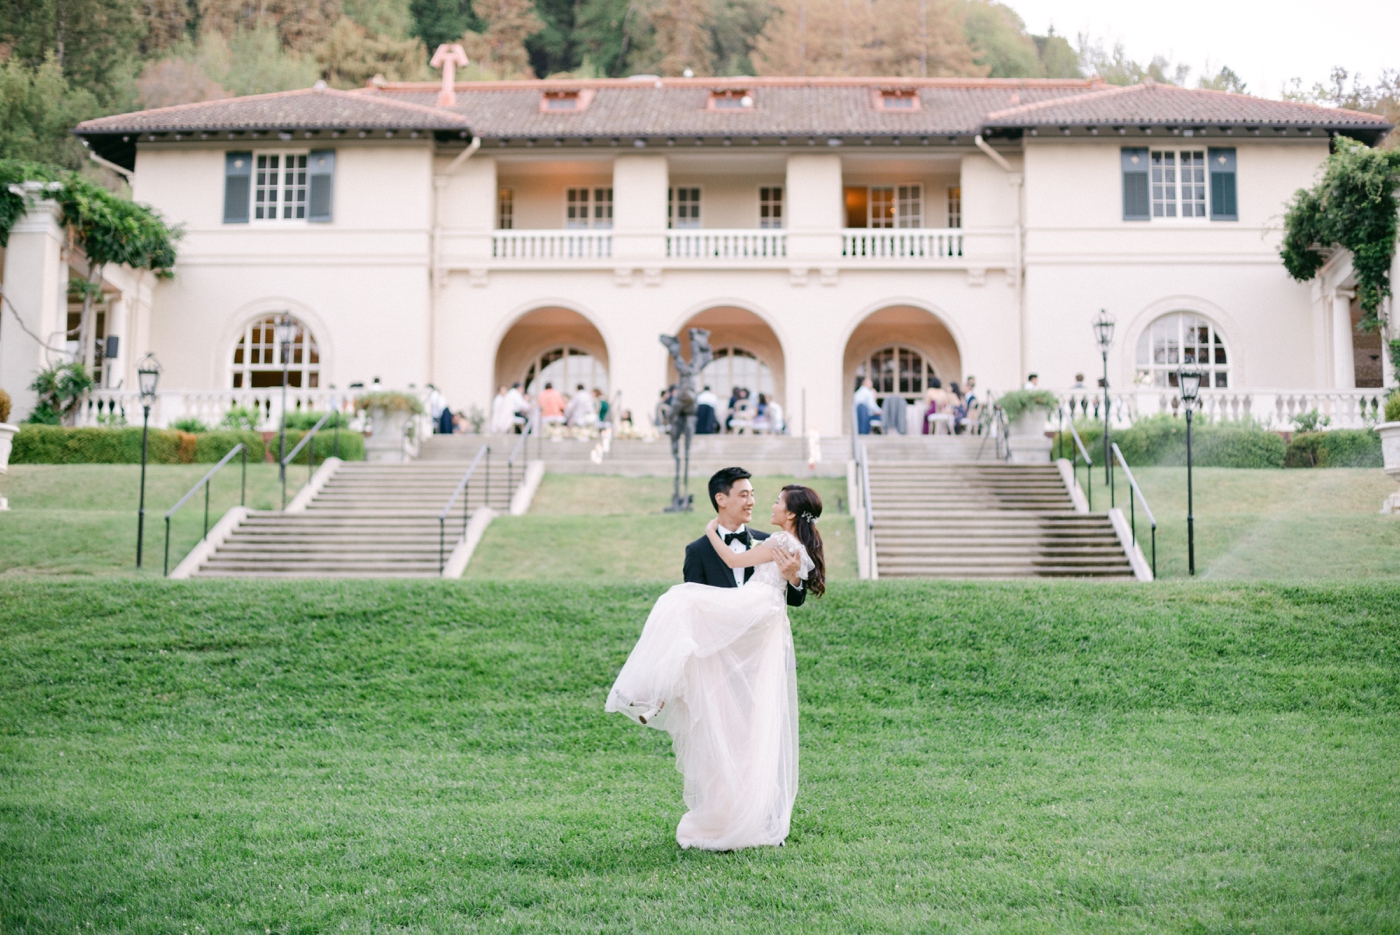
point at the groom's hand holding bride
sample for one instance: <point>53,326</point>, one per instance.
<point>789,565</point>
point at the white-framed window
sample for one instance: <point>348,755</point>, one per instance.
<point>505,209</point>
<point>682,207</point>
<point>899,370</point>
<point>588,207</point>
<point>1178,183</point>
<point>566,367</point>
<point>892,206</point>
<point>279,186</point>
<point>736,367</point>
<point>770,207</point>
<point>257,361</point>
<point>1182,340</point>
<point>955,206</point>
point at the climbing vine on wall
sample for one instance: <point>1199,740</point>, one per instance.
<point>1352,206</point>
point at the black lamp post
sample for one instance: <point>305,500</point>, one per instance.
<point>1190,383</point>
<point>148,378</point>
<point>1103,333</point>
<point>284,331</point>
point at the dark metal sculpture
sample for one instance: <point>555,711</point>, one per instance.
<point>679,409</point>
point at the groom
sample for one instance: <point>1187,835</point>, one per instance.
<point>731,494</point>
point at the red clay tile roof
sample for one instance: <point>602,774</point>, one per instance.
<point>1159,104</point>
<point>308,109</point>
<point>798,107</point>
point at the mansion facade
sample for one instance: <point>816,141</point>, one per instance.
<point>822,229</point>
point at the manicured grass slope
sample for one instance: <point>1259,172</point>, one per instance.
<point>434,757</point>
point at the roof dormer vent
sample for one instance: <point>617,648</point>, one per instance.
<point>565,101</point>
<point>900,100</point>
<point>731,99</point>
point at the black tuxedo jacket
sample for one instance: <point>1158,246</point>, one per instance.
<point>703,566</point>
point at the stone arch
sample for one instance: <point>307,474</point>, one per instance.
<point>737,327</point>
<point>900,326</point>
<point>532,338</point>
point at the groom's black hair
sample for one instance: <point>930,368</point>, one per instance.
<point>722,480</point>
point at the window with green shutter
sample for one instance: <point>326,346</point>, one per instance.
<point>1224,204</point>
<point>1136,203</point>
<point>238,177</point>
<point>321,182</point>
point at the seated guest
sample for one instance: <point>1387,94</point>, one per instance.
<point>600,402</point>
<point>706,412</point>
<point>776,423</point>
<point>579,413</point>
<point>867,409</point>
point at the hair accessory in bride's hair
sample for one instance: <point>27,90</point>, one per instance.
<point>809,517</point>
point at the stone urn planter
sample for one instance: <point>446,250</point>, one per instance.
<point>1026,439</point>
<point>1390,452</point>
<point>7,437</point>
<point>390,415</point>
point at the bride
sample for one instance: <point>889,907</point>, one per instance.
<point>715,669</point>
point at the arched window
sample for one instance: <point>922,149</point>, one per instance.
<point>566,368</point>
<point>900,370</point>
<point>1182,340</point>
<point>257,362</point>
<point>734,366</point>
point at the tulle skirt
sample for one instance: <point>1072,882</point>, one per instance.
<point>722,661</point>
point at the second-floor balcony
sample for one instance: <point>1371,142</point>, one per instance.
<point>719,247</point>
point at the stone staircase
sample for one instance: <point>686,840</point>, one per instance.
<point>370,520</point>
<point>986,519</point>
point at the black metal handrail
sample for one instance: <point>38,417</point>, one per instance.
<point>519,448</point>
<point>863,475</point>
<point>1132,481</point>
<point>242,497</point>
<point>1088,461</point>
<point>311,455</point>
<point>462,486</point>
<point>990,406</point>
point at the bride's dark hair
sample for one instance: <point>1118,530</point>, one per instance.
<point>804,503</point>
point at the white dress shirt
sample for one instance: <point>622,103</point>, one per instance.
<point>738,548</point>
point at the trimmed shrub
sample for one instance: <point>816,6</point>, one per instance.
<point>1341,448</point>
<point>189,425</point>
<point>211,446</point>
<point>352,445</point>
<point>45,444</point>
<point>4,406</point>
<point>1018,402</point>
<point>1162,440</point>
<point>306,421</point>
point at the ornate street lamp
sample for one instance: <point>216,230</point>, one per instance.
<point>285,331</point>
<point>148,378</point>
<point>1103,334</point>
<point>1190,383</point>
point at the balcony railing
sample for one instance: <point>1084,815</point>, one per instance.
<point>551,245</point>
<point>726,244</point>
<point>901,244</point>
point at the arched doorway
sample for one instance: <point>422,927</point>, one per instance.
<point>901,348</point>
<point>748,355</point>
<point>555,345</point>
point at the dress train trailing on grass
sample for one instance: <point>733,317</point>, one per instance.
<point>715,669</point>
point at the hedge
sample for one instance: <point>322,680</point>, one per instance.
<point>1161,440</point>
<point>51,444</point>
<point>1339,448</point>
<point>352,445</point>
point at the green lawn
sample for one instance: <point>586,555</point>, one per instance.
<point>583,527</point>
<point>433,757</point>
<point>80,519</point>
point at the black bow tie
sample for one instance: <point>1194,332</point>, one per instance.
<point>741,536</point>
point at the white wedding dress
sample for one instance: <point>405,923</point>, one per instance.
<point>722,661</point>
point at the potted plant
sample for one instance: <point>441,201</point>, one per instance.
<point>1026,412</point>
<point>389,415</point>
<point>7,432</point>
<point>1389,431</point>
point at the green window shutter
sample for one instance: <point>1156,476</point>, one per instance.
<point>1136,205</point>
<point>238,182</point>
<point>321,182</point>
<point>1224,205</point>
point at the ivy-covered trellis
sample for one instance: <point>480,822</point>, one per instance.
<point>105,226</point>
<point>1353,206</point>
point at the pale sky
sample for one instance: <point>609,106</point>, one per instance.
<point>1265,43</point>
